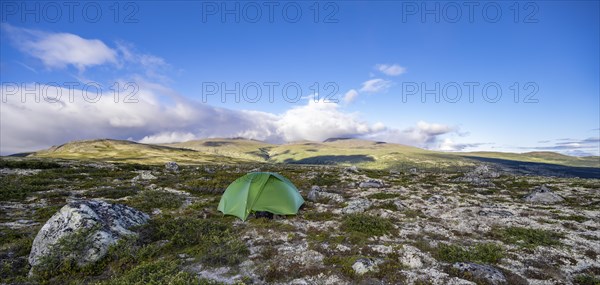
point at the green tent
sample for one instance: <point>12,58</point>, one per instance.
<point>260,191</point>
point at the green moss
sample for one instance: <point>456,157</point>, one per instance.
<point>527,237</point>
<point>390,270</point>
<point>342,263</point>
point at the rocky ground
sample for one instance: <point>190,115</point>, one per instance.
<point>139,224</point>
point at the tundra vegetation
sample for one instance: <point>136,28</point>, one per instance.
<point>408,225</point>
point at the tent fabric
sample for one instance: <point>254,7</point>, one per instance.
<point>260,191</point>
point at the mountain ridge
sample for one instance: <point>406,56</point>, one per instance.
<point>344,151</point>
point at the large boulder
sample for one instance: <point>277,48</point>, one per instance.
<point>143,175</point>
<point>483,273</point>
<point>172,166</point>
<point>371,183</point>
<point>103,224</point>
<point>543,195</point>
<point>480,176</point>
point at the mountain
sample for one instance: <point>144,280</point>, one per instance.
<point>342,151</point>
<point>127,151</point>
<point>241,148</point>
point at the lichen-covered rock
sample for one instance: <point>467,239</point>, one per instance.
<point>543,195</point>
<point>352,169</point>
<point>172,166</point>
<point>480,176</point>
<point>355,206</point>
<point>107,223</point>
<point>371,183</point>
<point>411,257</point>
<point>317,195</point>
<point>364,265</point>
<point>144,175</point>
<point>298,254</point>
<point>487,273</point>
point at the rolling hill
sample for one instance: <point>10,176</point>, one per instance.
<point>337,151</point>
<point>128,151</point>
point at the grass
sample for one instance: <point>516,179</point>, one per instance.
<point>575,218</point>
<point>28,164</point>
<point>153,199</point>
<point>114,192</point>
<point>325,180</point>
<point>342,263</point>
<point>382,195</point>
<point>157,272</point>
<point>586,279</point>
<point>366,225</point>
<point>480,253</point>
<point>214,242</point>
<point>44,213</point>
<point>319,216</point>
<point>527,237</point>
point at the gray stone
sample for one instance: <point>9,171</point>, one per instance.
<point>400,205</point>
<point>352,169</point>
<point>482,272</point>
<point>107,222</point>
<point>371,183</point>
<point>144,175</point>
<point>172,166</point>
<point>437,199</point>
<point>543,195</point>
<point>356,206</point>
<point>320,196</point>
<point>480,176</point>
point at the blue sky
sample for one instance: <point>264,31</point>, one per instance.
<point>369,51</point>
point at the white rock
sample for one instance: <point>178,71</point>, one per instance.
<point>109,221</point>
<point>356,206</point>
<point>144,175</point>
<point>363,265</point>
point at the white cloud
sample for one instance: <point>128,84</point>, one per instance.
<point>59,50</point>
<point>425,135</point>
<point>160,117</point>
<point>432,129</point>
<point>167,137</point>
<point>390,69</point>
<point>376,85</point>
<point>350,96</point>
<point>318,121</point>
